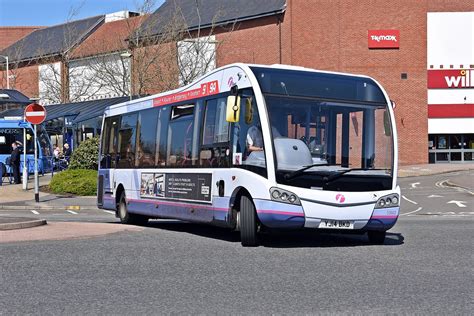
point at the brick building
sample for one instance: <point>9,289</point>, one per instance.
<point>336,36</point>
<point>333,35</point>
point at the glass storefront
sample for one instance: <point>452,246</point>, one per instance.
<point>454,148</point>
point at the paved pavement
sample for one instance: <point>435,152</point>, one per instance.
<point>15,222</point>
<point>435,196</point>
<point>14,196</point>
<point>424,267</point>
<point>170,267</point>
<point>431,169</point>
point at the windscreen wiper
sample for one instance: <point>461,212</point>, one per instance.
<point>299,172</point>
<point>337,174</point>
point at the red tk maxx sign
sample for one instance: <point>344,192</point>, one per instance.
<point>383,38</point>
<point>35,113</point>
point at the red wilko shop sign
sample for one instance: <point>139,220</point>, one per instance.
<point>450,78</point>
<point>384,38</point>
<point>208,88</point>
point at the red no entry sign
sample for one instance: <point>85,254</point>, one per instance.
<point>35,113</point>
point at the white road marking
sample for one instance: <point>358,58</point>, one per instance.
<point>413,185</point>
<point>110,212</point>
<point>72,212</point>
<point>34,212</point>
<point>439,184</point>
<point>434,196</point>
<point>406,199</point>
<point>458,203</point>
<point>417,210</point>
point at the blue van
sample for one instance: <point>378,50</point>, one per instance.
<point>11,131</point>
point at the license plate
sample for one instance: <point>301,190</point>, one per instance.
<point>336,224</point>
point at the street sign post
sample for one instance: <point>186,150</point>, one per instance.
<point>35,114</point>
<point>24,183</point>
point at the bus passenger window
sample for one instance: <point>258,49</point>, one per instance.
<point>127,139</point>
<point>215,146</point>
<point>104,144</point>
<point>146,145</point>
<point>248,146</point>
<point>180,136</point>
<point>162,136</point>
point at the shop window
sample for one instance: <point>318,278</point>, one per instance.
<point>468,141</point>
<point>442,142</point>
<point>455,141</point>
<point>442,157</point>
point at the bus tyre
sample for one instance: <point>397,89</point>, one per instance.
<point>376,237</point>
<point>248,223</point>
<point>128,218</point>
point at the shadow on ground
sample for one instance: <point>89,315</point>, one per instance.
<point>278,239</point>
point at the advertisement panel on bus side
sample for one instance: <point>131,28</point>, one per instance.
<point>183,186</point>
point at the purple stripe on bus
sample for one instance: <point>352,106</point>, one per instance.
<point>384,216</point>
<point>198,206</point>
<point>280,212</point>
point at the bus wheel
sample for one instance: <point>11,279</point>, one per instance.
<point>376,237</point>
<point>128,218</point>
<point>248,223</point>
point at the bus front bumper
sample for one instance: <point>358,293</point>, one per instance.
<point>312,215</point>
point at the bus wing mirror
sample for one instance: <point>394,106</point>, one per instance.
<point>393,104</point>
<point>233,108</point>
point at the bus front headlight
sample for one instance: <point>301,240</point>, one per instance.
<point>387,201</point>
<point>284,196</point>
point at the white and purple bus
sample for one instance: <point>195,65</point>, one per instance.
<point>253,146</point>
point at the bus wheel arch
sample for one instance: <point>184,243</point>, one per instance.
<point>122,209</point>
<point>235,206</point>
<point>244,215</point>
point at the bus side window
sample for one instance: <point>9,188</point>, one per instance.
<point>146,145</point>
<point>180,136</point>
<point>162,136</point>
<point>127,140</point>
<point>104,144</point>
<point>215,136</point>
<point>248,150</point>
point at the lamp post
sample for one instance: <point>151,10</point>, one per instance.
<point>8,79</point>
<point>129,56</point>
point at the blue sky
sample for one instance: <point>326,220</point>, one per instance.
<point>51,12</point>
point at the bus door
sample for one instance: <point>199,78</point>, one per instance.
<point>108,159</point>
<point>125,156</point>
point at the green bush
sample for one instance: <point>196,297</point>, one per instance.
<point>85,156</point>
<point>75,181</point>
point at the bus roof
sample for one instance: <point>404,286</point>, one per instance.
<point>225,76</point>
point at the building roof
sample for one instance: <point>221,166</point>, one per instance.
<point>109,37</point>
<point>81,110</point>
<point>211,12</point>
<point>52,41</point>
<point>11,34</point>
<point>15,97</point>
